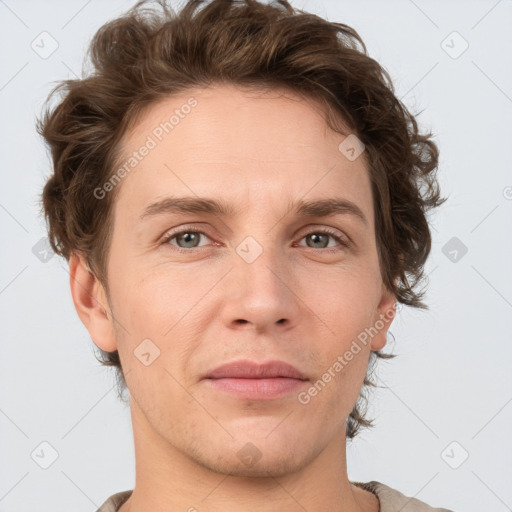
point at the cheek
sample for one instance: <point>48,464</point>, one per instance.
<point>150,303</point>
<point>342,302</point>
<point>344,307</point>
<point>156,330</point>
<point>340,385</point>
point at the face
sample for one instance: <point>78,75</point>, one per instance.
<point>192,289</point>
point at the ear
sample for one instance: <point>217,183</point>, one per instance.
<point>384,315</point>
<point>91,304</point>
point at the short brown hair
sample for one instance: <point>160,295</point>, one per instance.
<point>152,52</point>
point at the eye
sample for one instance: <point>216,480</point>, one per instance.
<point>321,238</point>
<point>189,238</point>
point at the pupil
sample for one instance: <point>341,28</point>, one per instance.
<point>189,237</point>
<point>315,238</point>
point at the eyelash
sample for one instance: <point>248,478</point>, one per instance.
<point>323,231</point>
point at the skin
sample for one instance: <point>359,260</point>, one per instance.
<point>296,302</point>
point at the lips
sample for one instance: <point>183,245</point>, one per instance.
<point>245,369</point>
<point>249,380</point>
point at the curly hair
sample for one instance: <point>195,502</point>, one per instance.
<point>152,52</point>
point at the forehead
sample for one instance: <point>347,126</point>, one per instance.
<point>241,146</point>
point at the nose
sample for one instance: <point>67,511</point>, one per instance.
<point>259,293</point>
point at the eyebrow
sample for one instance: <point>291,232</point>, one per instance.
<point>315,208</point>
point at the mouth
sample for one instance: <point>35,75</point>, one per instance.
<point>255,381</point>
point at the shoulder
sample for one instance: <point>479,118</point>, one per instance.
<point>392,500</point>
<point>115,501</point>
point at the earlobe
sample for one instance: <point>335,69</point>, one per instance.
<point>384,316</point>
<point>91,303</point>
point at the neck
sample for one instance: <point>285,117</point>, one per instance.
<point>167,479</point>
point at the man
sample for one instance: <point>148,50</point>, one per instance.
<point>242,201</point>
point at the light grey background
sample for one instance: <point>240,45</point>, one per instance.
<point>452,379</point>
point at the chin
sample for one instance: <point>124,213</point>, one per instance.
<point>264,467</point>
<point>268,455</point>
